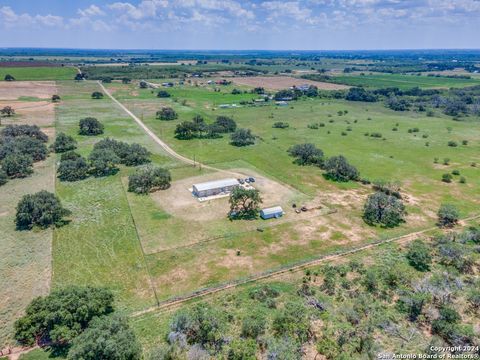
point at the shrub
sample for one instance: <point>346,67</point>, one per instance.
<point>462,180</point>
<point>292,322</point>
<point>281,125</point>
<point>419,256</point>
<point>447,178</point>
<point>9,77</point>
<point>253,325</point>
<point>455,172</point>
<point>73,169</point>
<point>55,98</point>
<point>464,142</point>
<point>7,111</point>
<point>103,162</point>
<point>42,209</point>
<point>383,209</point>
<point>167,113</point>
<point>145,180</point>
<point>62,315</point>
<point>448,215</point>
<point>306,154</point>
<point>107,337</point>
<point>163,94</point>
<point>97,95</point>
<point>17,165</point>
<point>452,143</point>
<point>242,137</point>
<point>90,127</point>
<point>32,131</point>
<point>338,169</point>
<point>63,143</point>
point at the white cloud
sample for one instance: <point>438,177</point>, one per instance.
<point>11,19</point>
<point>146,8</point>
<point>92,10</point>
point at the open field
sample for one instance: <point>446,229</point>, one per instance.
<point>283,82</point>
<point>403,81</point>
<point>38,73</point>
<point>25,264</point>
<point>29,89</point>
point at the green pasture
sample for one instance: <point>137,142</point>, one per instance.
<point>39,73</point>
<point>403,81</point>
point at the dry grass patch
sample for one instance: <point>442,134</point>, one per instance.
<point>15,89</point>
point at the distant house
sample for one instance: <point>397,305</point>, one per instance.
<point>304,87</point>
<point>216,187</point>
<point>281,103</point>
<point>270,213</point>
<point>167,84</point>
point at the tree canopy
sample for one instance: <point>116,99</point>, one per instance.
<point>103,162</point>
<point>448,215</point>
<point>306,154</point>
<point>242,137</point>
<point>106,338</point>
<point>73,169</point>
<point>244,203</point>
<point>90,126</point>
<point>63,143</point>
<point>56,319</point>
<point>337,168</point>
<point>383,209</point>
<point>42,209</point>
<point>167,113</point>
<point>128,154</point>
<point>144,180</point>
<point>97,95</point>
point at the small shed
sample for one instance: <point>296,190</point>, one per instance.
<point>272,212</point>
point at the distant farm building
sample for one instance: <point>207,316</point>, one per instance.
<point>270,213</point>
<point>215,187</point>
<point>281,103</point>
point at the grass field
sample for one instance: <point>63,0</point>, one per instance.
<point>403,81</point>
<point>38,73</point>
<point>25,264</point>
<point>207,263</point>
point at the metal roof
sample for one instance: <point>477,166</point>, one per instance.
<point>216,184</point>
<point>272,210</point>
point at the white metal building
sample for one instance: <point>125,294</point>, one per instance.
<point>273,212</point>
<point>215,187</point>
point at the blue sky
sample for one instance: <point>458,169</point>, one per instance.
<point>241,24</point>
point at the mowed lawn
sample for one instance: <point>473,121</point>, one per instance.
<point>404,81</point>
<point>39,73</point>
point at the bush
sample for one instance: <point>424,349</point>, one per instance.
<point>167,113</point>
<point>418,255</point>
<point>242,137</point>
<point>281,125</point>
<point>97,95</point>
<point>63,143</point>
<point>253,325</point>
<point>7,111</point>
<point>163,94</point>
<point>62,315</point>
<point>338,169</point>
<point>103,162</point>
<point>292,322</point>
<point>32,131</point>
<point>306,154</point>
<point>73,169</point>
<point>90,127</point>
<point>147,179</point>
<point>42,209</point>
<point>17,165</point>
<point>242,349</point>
<point>107,337</point>
<point>452,143</point>
<point>383,209</point>
<point>9,77</point>
<point>55,98</point>
<point>447,177</point>
<point>448,215</point>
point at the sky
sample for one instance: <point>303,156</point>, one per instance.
<point>241,24</point>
